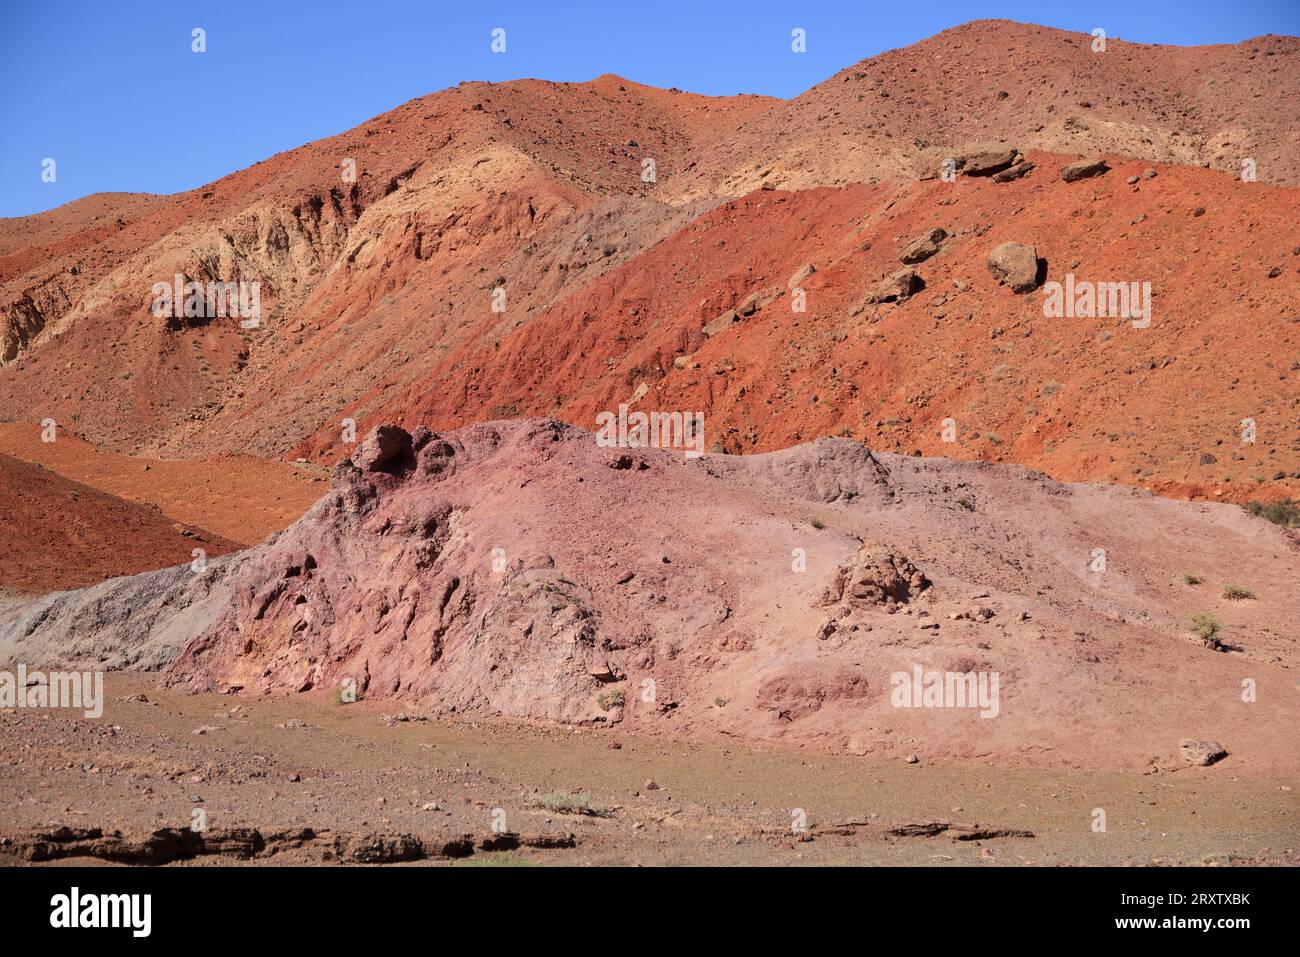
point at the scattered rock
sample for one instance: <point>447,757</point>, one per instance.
<point>896,288</point>
<point>924,246</point>
<point>801,275</point>
<point>1013,172</point>
<point>757,300</point>
<point>724,321</point>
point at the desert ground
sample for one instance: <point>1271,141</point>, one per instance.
<point>369,787</point>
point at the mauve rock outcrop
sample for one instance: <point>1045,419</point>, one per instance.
<point>506,569</point>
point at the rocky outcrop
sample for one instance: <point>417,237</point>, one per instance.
<point>140,622</point>
<point>878,576</point>
<point>521,569</point>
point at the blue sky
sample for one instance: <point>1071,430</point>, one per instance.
<point>111,90</point>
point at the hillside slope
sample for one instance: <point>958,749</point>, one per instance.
<point>1085,398</point>
<point>1038,87</point>
<point>61,534</point>
<point>501,254</point>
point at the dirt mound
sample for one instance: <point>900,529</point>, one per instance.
<point>65,535</point>
<point>507,569</point>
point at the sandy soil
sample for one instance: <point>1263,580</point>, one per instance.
<point>239,497</point>
<point>73,535</point>
<point>345,771</point>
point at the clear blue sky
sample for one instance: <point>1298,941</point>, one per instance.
<point>111,90</point>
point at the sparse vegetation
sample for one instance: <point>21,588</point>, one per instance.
<point>966,503</point>
<point>1190,579</point>
<point>1206,627</point>
<point>816,523</point>
<point>1234,592</point>
<point>608,700</point>
<point>1285,512</point>
<point>562,802</point>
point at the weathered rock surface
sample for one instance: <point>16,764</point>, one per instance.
<point>895,288</point>
<point>1201,752</point>
<point>1013,172</point>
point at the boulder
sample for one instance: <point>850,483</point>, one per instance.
<point>801,275</point>
<point>1202,753</point>
<point>895,288</point>
<point>877,576</point>
<point>1083,169</point>
<point>985,162</point>
<point>1013,172</point>
<point>722,322</point>
<point>757,300</point>
<point>1015,265</point>
<point>976,159</point>
<point>384,449</point>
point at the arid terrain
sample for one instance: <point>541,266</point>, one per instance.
<point>392,485</point>
<point>307,782</point>
<point>765,601</point>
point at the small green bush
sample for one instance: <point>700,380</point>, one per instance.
<point>562,802</point>
<point>1205,627</point>
<point>1285,512</point>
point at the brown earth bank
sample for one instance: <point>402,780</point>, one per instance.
<point>706,321</point>
<point>240,498</point>
<point>519,569</point>
<point>377,294</point>
<point>301,781</point>
<point>60,534</point>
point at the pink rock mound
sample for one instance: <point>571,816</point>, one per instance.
<point>507,569</point>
